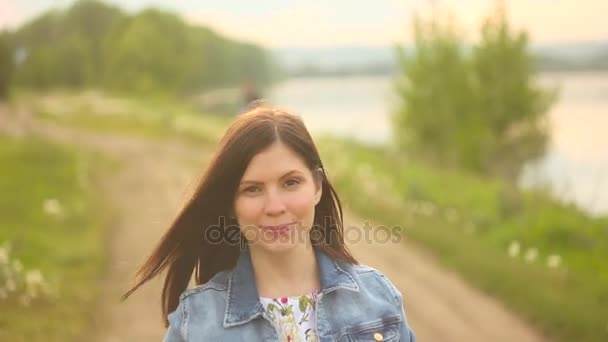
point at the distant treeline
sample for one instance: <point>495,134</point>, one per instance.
<point>543,61</point>
<point>93,44</point>
<point>597,62</point>
<point>311,70</point>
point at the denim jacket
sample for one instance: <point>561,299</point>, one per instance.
<point>357,303</point>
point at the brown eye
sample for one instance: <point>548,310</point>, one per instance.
<point>251,189</point>
<point>292,182</point>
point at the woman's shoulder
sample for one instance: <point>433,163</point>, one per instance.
<point>202,306</point>
<point>217,283</point>
<point>365,270</point>
<point>373,279</point>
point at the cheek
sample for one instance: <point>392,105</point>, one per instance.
<point>248,209</point>
<point>302,205</point>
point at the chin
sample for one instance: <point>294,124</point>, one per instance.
<point>278,247</point>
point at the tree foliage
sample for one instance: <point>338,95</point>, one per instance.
<point>476,108</point>
<point>95,44</point>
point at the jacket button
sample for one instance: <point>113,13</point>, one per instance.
<point>378,337</point>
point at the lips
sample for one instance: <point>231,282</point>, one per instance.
<point>279,228</point>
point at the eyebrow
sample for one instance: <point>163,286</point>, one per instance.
<point>283,176</point>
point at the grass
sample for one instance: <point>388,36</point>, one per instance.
<point>470,222</point>
<point>67,247</point>
<point>156,118</point>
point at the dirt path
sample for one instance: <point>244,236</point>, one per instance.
<point>146,193</point>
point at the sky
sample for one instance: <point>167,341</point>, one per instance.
<point>314,23</point>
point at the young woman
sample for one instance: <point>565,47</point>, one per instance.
<point>263,236</point>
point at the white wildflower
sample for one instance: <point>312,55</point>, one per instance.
<point>531,254</point>
<point>35,284</point>
<point>53,207</point>
<point>553,261</point>
<point>514,249</point>
<point>33,278</point>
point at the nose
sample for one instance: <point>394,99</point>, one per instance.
<point>274,205</point>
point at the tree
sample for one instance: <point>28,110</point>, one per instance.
<point>150,54</point>
<point>477,109</point>
<point>435,93</point>
<point>514,107</point>
<point>63,48</point>
<point>84,29</point>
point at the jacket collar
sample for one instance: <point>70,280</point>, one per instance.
<point>243,303</point>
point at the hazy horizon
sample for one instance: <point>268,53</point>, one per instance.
<point>288,23</point>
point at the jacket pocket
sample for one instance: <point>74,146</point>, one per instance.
<point>385,329</point>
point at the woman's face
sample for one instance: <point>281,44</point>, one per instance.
<point>275,200</point>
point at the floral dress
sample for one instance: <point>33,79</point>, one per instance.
<point>293,317</point>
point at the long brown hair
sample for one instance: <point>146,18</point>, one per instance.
<point>184,249</point>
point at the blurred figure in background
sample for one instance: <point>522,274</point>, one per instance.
<point>251,95</point>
